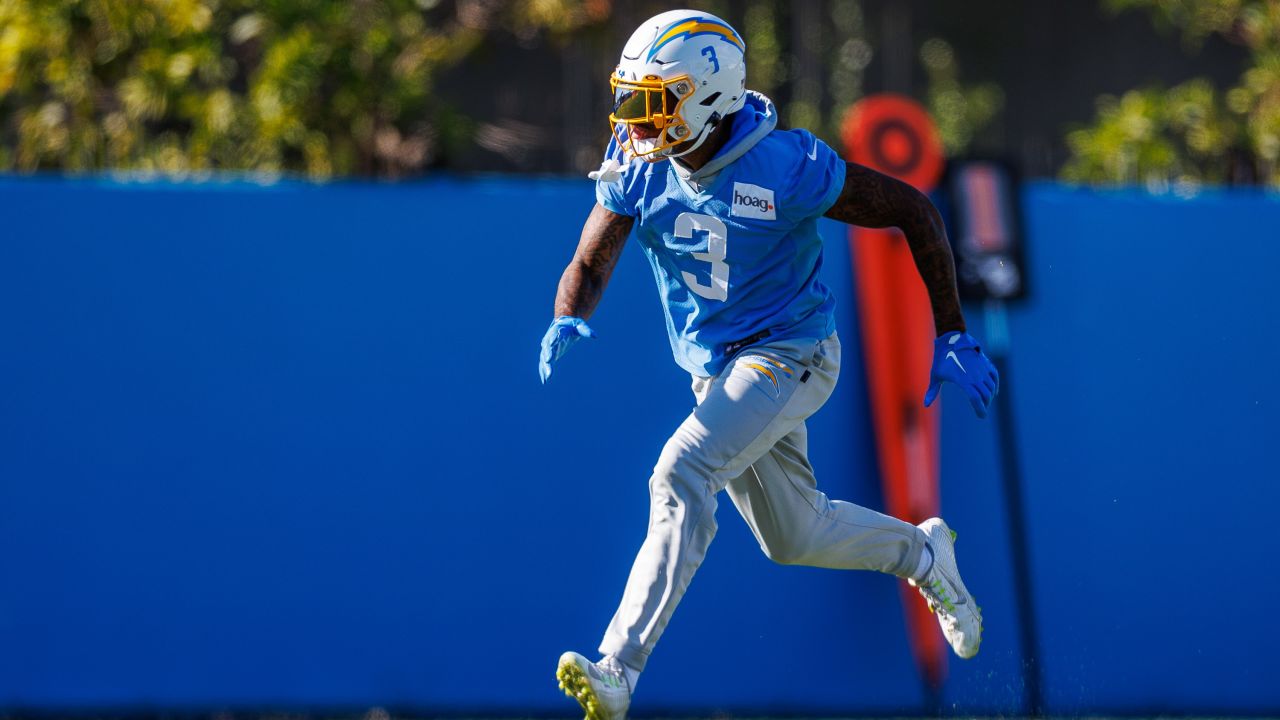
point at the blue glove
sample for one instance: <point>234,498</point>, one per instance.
<point>563,333</point>
<point>958,359</point>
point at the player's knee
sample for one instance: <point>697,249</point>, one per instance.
<point>675,486</point>
<point>681,464</point>
<point>786,553</point>
<point>679,477</point>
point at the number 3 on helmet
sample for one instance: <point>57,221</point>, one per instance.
<point>681,72</point>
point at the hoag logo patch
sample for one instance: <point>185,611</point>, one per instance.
<point>753,201</point>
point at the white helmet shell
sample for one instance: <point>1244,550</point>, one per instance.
<point>681,71</point>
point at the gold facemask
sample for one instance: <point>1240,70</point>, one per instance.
<point>652,101</point>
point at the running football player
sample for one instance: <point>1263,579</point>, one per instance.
<point>726,208</point>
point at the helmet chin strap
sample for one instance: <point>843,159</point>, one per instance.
<point>697,142</point>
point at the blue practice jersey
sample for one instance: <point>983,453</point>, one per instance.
<point>741,256</point>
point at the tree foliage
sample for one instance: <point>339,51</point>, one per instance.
<point>961,111</point>
<point>351,87</point>
<point>315,86</point>
<point>1193,132</point>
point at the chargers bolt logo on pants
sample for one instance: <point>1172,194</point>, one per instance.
<point>767,366</point>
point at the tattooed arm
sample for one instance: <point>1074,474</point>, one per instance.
<point>873,200</point>
<point>599,248</point>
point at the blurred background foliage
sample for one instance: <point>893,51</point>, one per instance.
<point>352,87</point>
<point>960,111</point>
<point>1193,132</point>
<point>396,88</point>
<point>322,87</point>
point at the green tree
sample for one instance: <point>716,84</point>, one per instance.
<point>961,111</point>
<point>322,87</point>
<point>1192,133</point>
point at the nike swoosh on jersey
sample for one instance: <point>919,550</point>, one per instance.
<point>956,360</point>
<point>813,154</point>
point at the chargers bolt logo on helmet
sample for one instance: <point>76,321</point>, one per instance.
<point>680,73</point>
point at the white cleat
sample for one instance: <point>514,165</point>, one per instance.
<point>600,688</point>
<point>958,613</point>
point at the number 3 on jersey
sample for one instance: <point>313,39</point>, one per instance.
<point>717,249</point>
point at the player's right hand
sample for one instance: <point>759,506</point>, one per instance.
<point>563,333</point>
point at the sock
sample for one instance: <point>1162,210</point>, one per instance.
<point>925,565</point>
<point>632,676</point>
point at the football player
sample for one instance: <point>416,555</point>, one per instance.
<point>726,208</point>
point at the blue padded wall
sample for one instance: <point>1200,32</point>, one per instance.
<point>286,446</point>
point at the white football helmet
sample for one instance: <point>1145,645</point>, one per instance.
<point>682,71</point>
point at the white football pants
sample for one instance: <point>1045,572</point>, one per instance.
<point>747,436</point>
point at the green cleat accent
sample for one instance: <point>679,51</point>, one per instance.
<point>576,685</point>
<point>958,613</point>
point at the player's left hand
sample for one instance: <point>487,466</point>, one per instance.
<point>563,333</point>
<point>958,359</point>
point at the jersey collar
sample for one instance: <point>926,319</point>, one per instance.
<point>757,118</point>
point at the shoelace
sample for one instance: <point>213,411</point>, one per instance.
<point>935,593</point>
<point>611,672</point>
